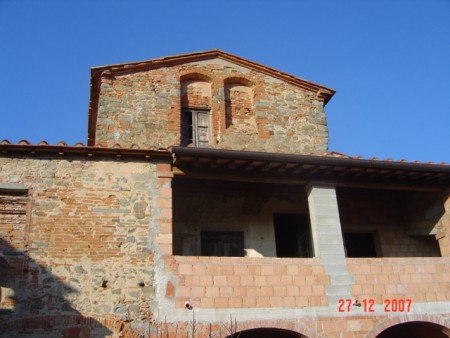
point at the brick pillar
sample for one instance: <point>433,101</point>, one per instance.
<point>443,229</point>
<point>164,208</point>
<point>328,242</point>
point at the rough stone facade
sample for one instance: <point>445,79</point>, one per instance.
<point>248,110</point>
<point>87,241</point>
<point>116,239</point>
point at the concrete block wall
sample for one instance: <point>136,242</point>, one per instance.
<point>144,109</point>
<point>328,242</point>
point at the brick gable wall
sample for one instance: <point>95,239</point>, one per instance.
<point>143,108</point>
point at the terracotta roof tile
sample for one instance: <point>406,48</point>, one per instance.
<point>44,144</point>
<point>62,148</point>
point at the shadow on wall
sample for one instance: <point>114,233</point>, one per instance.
<point>33,304</point>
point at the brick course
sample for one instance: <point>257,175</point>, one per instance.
<point>239,281</point>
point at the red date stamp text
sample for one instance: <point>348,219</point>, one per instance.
<point>390,305</point>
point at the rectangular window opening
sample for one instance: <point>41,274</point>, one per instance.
<point>292,235</point>
<point>222,243</point>
<point>360,245</point>
<point>14,221</point>
<point>195,128</point>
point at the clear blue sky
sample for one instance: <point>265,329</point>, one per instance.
<point>388,60</point>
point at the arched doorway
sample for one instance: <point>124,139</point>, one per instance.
<point>415,329</point>
<point>267,333</point>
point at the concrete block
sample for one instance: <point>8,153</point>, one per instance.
<point>335,269</point>
<point>326,238</point>
<point>337,249</point>
<point>337,290</point>
<point>343,279</point>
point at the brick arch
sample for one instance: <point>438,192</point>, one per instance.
<point>242,80</point>
<point>386,324</point>
<point>195,92</point>
<point>296,327</point>
<point>196,75</point>
<point>239,109</point>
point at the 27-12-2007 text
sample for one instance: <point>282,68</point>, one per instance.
<point>368,305</point>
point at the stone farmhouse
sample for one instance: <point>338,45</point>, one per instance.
<point>206,203</point>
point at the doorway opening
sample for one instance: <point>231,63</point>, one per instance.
<point>292,235</point>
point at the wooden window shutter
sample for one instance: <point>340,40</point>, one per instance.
<point>202,128</point>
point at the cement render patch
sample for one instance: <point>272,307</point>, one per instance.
<point>332,311</point>
<point>13,187</point>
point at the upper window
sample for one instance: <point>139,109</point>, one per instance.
<point>195,128</point>
<point>195,111</point>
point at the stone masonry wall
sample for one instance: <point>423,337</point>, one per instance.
<point>88,246</point>
<point>143,108</point>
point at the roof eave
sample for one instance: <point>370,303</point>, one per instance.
<point>63,150</point>
<point>309,159</point>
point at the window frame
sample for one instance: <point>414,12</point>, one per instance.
<point>193,127</point>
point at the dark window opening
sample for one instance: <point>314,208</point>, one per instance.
<point>359,244</point>
<point>186,128</point>
<point>222,243</point>
<point>292,235</point>
<point>195,128</point>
